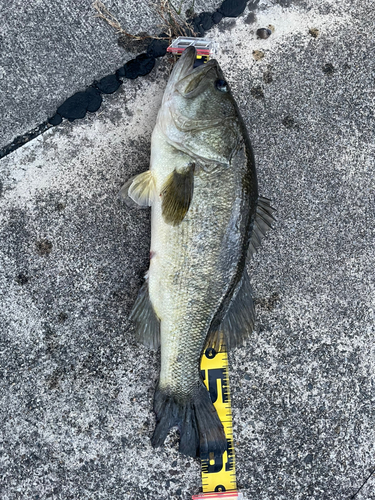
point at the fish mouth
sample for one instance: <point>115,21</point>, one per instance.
<point>189,81</point>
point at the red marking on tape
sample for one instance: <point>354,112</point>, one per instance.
<point>219,495</point>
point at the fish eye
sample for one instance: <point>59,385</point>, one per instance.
<point>221,85</point>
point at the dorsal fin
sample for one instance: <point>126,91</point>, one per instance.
<point>262,224</point>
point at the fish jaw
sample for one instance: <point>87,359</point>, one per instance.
<point>181,69</point>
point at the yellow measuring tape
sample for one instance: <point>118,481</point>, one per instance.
<point>219,473</point>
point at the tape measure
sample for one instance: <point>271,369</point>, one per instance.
<point>219,473</point>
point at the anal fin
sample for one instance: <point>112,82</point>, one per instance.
<point>262,224</point>
<point>146,322</point>
<point>238,322</point>
<point>177,193</point>
<point>140,189</point>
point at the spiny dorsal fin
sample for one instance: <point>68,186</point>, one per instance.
<point>239,319</point>
<point>140,189</point>
<point>147,324</point>
<point>177,193</point>
<point>262,224</point>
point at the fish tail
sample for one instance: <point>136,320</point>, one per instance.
<point>201,431</point>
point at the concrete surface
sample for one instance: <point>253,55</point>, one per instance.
<point>76,391</point>
<point>51,50</point>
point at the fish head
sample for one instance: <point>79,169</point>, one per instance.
<point>199,114</point>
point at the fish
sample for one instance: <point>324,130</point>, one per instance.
<point>207,220</point>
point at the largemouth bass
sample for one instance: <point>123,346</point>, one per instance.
<point>206,221</point>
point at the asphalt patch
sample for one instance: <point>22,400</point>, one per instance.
<point>157,48</point>
<point>107,85</point>
<point>140,66</point>
<point>232,8</point>
<point>55,119</point>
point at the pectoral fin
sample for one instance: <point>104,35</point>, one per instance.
<point>262,224</point>
<point>177,193</point>
<point>239,320</point>
<point>140,189</point>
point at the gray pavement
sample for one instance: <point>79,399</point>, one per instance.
<point>51,50</point>
<point>76,390</point>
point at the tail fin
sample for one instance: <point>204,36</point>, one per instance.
<point>201,431</point>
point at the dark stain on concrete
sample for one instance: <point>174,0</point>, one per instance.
<point>44,247</point>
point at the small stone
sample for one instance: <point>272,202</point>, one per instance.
<point>62,317</point>
<point>257,92</point>
<point>258,55</point>
<point>314,32</point>
<point>328,69</point>
<point>22,279</point>
<point>60,206</point>
<point>308,459</point>
<point>288,122</point>
<point>263,33</point>
<point>44,247</point>
<point>267,77</point>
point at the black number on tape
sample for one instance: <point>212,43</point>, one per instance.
<point>209,468</point>
<point>213,376</point>
<point>210,353</point>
